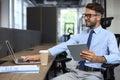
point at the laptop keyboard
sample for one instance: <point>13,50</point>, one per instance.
<point>20,60</point>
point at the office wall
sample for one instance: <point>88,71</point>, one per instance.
<point>49,29</point>
<point>113,10</point>
<point>43,19</point>
<point>19,39</point>
<point>34,18</point>
<point>26,39</point>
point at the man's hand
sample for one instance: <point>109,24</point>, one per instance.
<point>35,57</point>
<point>90,56</point>
<point>32,57</point>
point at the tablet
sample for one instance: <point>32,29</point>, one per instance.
<point>75,50</point>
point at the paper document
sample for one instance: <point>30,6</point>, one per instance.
<point>20,69</point>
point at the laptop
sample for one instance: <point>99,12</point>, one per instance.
<point>75,50</point>
<point>18,60</point>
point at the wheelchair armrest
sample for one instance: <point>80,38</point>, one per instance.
<point>63,60</point>
<point>110,65</point>
<point>62,57</point>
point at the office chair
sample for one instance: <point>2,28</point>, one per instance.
<point>118,39</point>
<point>106,22</point>
<point>108,74</point>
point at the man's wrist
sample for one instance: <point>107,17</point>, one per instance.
<point>100,59</point>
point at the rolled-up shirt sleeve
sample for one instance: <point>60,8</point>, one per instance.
<point>57,49</point>
<point>63,46</point>
<point>114,54</point>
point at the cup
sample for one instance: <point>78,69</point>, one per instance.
<point>43,57</point>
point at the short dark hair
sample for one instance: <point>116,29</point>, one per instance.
<point>96,7</point>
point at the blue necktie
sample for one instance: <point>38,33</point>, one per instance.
<point>81,63</point>
<point>89,39</point>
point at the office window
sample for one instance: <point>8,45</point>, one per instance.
<point>69,21</point>
<point>17,13</point>
<point>11,20</point>
<point>24,15</point>
<point>68,17</point>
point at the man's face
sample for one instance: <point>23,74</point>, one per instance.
<point>90,17</point>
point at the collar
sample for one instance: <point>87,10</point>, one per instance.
<point>96,30</point>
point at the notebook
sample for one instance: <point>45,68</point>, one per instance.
<point>75,50</point>
<point>18,60</point>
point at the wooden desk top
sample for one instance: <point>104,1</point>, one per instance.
<point>28,76</point>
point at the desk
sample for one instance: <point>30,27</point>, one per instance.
<point>28,76</point>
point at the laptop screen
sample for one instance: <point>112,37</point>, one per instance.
<point>10,50</point>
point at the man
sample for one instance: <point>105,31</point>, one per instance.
<point>103,43</point>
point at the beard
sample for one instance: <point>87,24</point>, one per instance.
<point>91,24</point>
